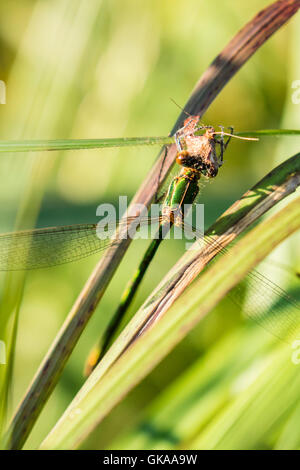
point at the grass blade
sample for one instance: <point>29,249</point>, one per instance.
<point>78,144</point>
<point>204,403</point>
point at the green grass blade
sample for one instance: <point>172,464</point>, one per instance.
<point>235,426</point>
<point>6,373</point>
<point>196,403</point>
<point>290,437</point>
<point>77,144</point>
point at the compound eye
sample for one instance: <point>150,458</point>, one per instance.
<point>213,172</point>
<point>182,158</point>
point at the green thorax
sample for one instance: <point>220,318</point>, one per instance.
<point>183,190</point>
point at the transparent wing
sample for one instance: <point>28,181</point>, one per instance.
<point>263,301</point>
<point>40,248</point>
<point>48,246</point>
<point>269,305</point>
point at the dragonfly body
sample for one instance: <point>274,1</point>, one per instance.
<point>197,156</point>
<point>182,192</point>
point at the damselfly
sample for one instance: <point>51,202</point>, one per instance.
<point>198,155</point>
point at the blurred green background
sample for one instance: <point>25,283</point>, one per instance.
<point>108,68</point>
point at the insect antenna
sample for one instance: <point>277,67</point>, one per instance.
<point>185,112</point>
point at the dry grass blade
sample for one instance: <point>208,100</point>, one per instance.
<point>235,54</point>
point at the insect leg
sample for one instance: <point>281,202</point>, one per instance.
<point>222,145</point>
<point>156,198</point>
<point>229,138</point>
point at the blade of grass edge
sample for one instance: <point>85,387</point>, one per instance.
<point>79,144</point>
<point>7,372</point>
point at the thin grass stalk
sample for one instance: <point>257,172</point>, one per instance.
<point>7,146</point>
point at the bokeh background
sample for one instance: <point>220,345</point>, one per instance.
<point>108,68</point>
